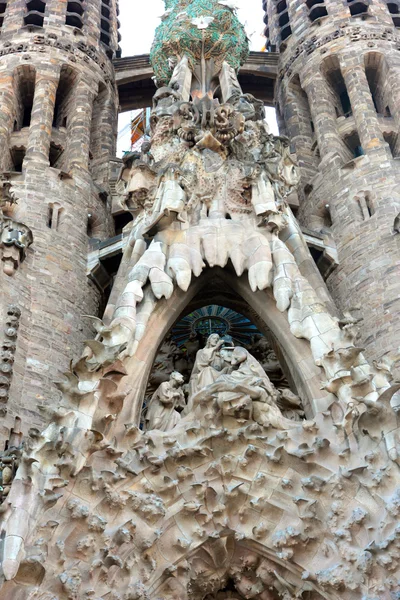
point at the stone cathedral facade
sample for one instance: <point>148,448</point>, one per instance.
<point>199,369</point>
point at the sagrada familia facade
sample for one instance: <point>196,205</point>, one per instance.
<point>200,367</point>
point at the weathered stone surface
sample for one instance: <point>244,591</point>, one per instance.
<point>265,472</point>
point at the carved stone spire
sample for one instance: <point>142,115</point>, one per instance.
<point>206,32</point>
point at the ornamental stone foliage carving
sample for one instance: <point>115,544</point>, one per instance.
<point>227,491</point>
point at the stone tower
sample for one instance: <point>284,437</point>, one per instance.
<point>338,101</point>
<point>58,109</point>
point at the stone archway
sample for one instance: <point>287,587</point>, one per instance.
<point>225,567</point>
<point>225,288</point>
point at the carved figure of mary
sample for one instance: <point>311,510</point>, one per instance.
<point>162,413</point>
<point>246,392</point>
<point>207,367</point>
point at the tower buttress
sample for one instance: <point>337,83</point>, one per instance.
<point>58,113</point>
<point>338,97</point>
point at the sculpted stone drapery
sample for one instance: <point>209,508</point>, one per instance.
<point>243,391</point>
<point>231,376</point>
<point>162,411</point>
<point>208,364</point>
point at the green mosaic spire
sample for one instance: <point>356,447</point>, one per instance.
<point>191,27</point>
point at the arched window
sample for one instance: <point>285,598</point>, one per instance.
<point>354,145</point>
<point>106,26</point>
<point>64,104</point>
<point>316,9</point>
<point>35,12</point>
<point>17,157</point>
<point>376,72</point>
<point>54,215</point>
<point>3,7</point>
<point>283,21</point>
<point>334,77</point>
<point>302,131</point>
<point>365,205</point>
<point>358,7</point>
<point>75,13</point>
<point>268,46</point>
<point>394,9</point>
<point>24,88</point>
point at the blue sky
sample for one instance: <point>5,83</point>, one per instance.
<point>138,22</point>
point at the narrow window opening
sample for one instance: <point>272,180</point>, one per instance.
<point>55,154</point>
<point>373,78</point>
<point>390,139</point>
<point>50,216</point>
<point>17,157</point>
<point>357,7</point>
<point>99,119</point>
<point>64,104</point>
<point>26,119</point>
<point>387,112</point>
<point>375,71</point>
<point>316,9</point>
<point>335,80</point>
<point>35,12</point>
<point>365,205</point>
<point>3,7</point>
<point>345,102</point>
<point>75,13</point>
<point>308,188</point>
<point>368,203</point>
<point>301,126</point>
<point>354,145</point>
<point>106,23</point>
<point>394,10</point>
<point>327,216</point>
<point>54,214</point>
<point>24,88</point>
<point>283,21</point>
<point>89,226</point>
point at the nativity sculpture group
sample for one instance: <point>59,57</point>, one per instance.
<point>224,378</point>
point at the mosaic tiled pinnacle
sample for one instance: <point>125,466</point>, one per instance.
<point>186,29</point>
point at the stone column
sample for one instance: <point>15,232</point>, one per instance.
<point>297,120</point>
<point>55,11</point>
<point>38,147</point>
<point>393,95</point>
<point>103,139</point>
<point>362,104</point>
<point>93,18</point>
<point>80,125</point>
<point>323,115</point>
<point>7,112</point>
<point>14,16</point>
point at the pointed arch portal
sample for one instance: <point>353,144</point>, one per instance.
<point>223,287</point>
